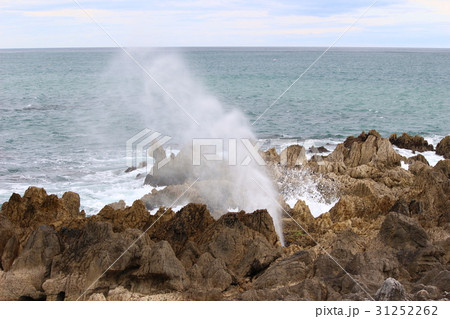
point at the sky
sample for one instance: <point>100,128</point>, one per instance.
<point>297,23</point>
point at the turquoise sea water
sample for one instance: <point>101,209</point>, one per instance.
<point>65,114</point>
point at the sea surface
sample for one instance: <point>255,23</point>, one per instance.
<point>66,114</point>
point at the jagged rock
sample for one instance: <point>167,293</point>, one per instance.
<point>176,171</point>
<point>419,261</point>
<point>37,208</point>
<point>400,231</point>
<point>118,205</point>
<point>414,143</point>
<point>391,290</point>
<point>286,271</point>
<point>135,216</point>
<point>302,220</point>
<point>209,273</point>
<point>367,149</point>
<point>9,244</point>
<point>443,147</point>
<point>261,221</point>
<point>444,167</point>
<point>32,266</point>
<point>189,254</point>
<point>71,202</point>
<point>270,156</point>
<point>439,278</point>
<point>244,250</point>
<point>419,158</point>
<point>161,268</point>
<point>186,225</point>
<point>293,155</point>
<point>301,213</point>
<point>90,252</point>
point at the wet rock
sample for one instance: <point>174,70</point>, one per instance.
<point>414,143</point>
<point>391,290</point>
<point>443,147</point>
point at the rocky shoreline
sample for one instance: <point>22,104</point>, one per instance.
<point>387,238</point>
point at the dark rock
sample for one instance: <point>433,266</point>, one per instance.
<point>401,207</point>
<point>402,232</point>
<point>419,158</point>
<point>443,147</point>
<point>188,224</point>
<point>444,167</point>
<point>414,143</point>
<point>244,250</point>
<point>162,268</point>
<point>308,289</point>
<point>286,271</point>
<point>189,254</point>
<point>209,273</point>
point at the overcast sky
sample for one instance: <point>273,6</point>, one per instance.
<point>61,23</point>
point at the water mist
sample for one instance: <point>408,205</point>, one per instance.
<point>187,112</point>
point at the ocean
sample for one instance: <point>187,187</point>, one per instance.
<point>66,114</point>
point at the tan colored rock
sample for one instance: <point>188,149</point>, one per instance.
<point>443,147</point>
<point>293,155</point>
<point>135,216</point>
<point>367,149</point>
<point>271,156</point>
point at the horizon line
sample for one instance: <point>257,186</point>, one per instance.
<point>224,47</point>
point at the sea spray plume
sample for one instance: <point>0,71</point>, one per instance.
<point>237,179</point>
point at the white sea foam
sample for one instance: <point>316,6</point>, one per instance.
<point>320,195</point>
<point>404,165</point>
<point>430,156</point>
<point>316,203</point>
<point>175,209</point>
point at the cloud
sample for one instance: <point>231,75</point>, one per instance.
<point>438,6</point>
<point>218,22</point>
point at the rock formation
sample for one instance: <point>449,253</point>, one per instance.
<point>443,148</point>
<point>387,238</point>
<point>413,143</point>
